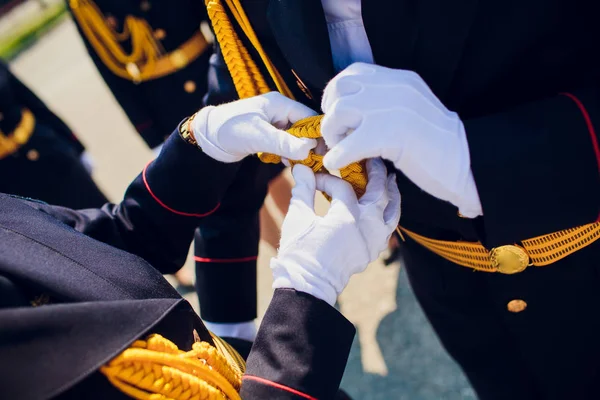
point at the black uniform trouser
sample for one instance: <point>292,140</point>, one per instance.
<point>226,247</point>
<point>551,350</point>
<point>47,168</point>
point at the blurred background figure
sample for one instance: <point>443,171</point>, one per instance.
<point>40,157</point>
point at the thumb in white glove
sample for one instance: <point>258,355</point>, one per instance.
<point>232,131</point>
<point>318,255</point>
<point>372,111</point>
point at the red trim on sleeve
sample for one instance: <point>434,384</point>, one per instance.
<point>590,127</point>
<point>163,205</point>
<point>225,260</point>
<point>143,125</point>
<point>278,386</point>
<point>589,124</point>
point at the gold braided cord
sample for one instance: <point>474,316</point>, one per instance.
<point>147,59</point>
<point>155,369</point>
<point>240,16</point>
<point>234,359</point>
<point>105,40</point>
<point>542,250</point>
<point>310,127</point>
<point>10,143</point>
<point>249,82</point>
<point>246,76</point>
<point>546,249</point>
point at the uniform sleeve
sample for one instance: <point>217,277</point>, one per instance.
<point>161,207</point>
<point>536,167</point>
<point>300,351</point>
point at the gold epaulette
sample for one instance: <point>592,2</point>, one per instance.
<point>10,143</point>
<point>510,259</point>
<point>156,368</point>
<point>147,59</point>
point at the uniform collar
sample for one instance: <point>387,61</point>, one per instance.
<point>300,30</point>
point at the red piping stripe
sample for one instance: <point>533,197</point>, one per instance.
<point>278,386</point>
<point>163,205</point>
<point>590,127</point>
<point>225,260</point>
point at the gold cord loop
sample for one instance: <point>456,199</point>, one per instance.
<point>155,369</point>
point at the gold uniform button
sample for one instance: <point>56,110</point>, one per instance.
<point>33,155</point>
<point>145,6</point>
<point>160,34</point>
<point>516,306</point>
<point>111,21</point>
<point>509,259</point>
<point>189,86</point>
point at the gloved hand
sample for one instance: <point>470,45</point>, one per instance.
<point>318,255</point>
<point>232,131</point>
<point>372,111</point>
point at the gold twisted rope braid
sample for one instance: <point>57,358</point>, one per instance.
<point>542,250</point>
<point>147,59</point>
<point>249,82</point>
<point>11,142</point>
<point>539,251</point>
<point>155,369</point>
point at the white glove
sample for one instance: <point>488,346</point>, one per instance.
<point>318,255</point>
<point>238,330</point>
<point>232,131</point>
<point>372,111</point>
<point>87,162</point>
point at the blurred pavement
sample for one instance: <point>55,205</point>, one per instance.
<point>395,354</point>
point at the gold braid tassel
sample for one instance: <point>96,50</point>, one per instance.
<point>249,82</point>
<point>155,369</point>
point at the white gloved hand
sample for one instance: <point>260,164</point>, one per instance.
<point>232,131</point>
<point>372,111</point>
<point>318,255</point>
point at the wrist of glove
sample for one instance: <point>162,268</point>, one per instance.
<point>232,131</point>
<point>318,255</point>
<point>372,111</point>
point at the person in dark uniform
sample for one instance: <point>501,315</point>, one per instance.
<point>40,157</point>
<point>85,312</point>
<point>155,59</point>
<point>489,111</point>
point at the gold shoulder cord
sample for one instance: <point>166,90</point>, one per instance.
<point>542,250</point>
<point>155,369</point>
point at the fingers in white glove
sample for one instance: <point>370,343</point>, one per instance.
<point>376,182</point>
<point>343,199</point>
<point>301,213</point>
<point>391,214</point>
<point>303,192</point>
<point>350,149</point>
<point>232,131</point>
<point>264,137</point>
<point>282,111</point>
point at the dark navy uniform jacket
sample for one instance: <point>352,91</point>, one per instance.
<point>79,286</point>
<point>47,166</point>
<point>523,76</point>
